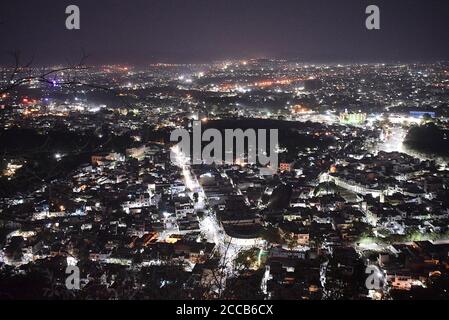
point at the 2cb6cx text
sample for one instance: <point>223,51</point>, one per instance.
<point>245,309</point>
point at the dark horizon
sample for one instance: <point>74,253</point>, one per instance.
<point>90,62</point>
<point>143,32</point>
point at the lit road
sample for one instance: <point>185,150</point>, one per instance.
<point>209,225</point>
<point>394,142</point>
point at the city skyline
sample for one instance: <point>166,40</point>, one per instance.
<point>236,151</point>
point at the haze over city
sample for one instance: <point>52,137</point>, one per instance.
<point>224,150</point>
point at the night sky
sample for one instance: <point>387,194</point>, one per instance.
<point>144,31</point>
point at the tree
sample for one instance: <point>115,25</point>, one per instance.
<point>23,74</point>
<point>290,240</point>
<point>427,118</point>
<point>271,235</point>
<point>247,259</point>
<point>14,250</point>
